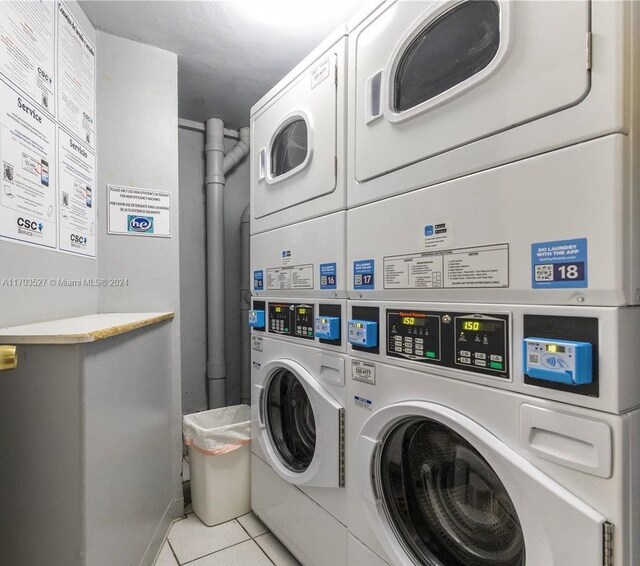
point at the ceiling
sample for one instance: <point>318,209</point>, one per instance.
<point>230,52</point>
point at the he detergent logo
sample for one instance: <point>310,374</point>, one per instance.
<point>30,227</point>
<point>140,224</point>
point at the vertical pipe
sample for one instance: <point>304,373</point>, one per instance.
<point>245,305</point>
<point>215,181</point>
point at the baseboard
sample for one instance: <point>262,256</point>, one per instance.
<point>173,512</point>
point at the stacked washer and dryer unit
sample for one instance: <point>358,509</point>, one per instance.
<point>491,381</point>
<point>298,316</point>
<point>493,256</point>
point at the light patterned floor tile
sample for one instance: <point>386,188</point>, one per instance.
<point>276,551</point>
<point>166,557</point>
<point>243,554</point>
<point>254,526</point>
<point>191,539</point>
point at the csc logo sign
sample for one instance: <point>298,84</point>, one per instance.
<point>78,239</point>
<point>142,224</point>
<point>29,225</point>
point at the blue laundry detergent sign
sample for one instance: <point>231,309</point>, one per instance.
<point>258,280</point>
<point>364,274</point>
<point>328,276</point>
<point>559,264</point>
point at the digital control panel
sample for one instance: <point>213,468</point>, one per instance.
<point>256,318</point>
<point>560,361</point>
<point>291,320</point>
<point>481,341</point>
<point>413,335</point>
<point>363,333</point>
<point>476,342</point>
<point>328,327</point>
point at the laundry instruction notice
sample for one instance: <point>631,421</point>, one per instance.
<point>477,267</point>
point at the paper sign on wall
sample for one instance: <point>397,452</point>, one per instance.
<point>139,212</point>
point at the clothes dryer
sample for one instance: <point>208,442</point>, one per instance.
<point>441,89</point>
<point>557,228</point>
<point>298,395</point>
<point>298,133</point>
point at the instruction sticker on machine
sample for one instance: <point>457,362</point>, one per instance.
<point>559,264</point>
<point>478,267</point>
<point>363,371</point>
<point>291,277</point>
<point>139,212</point>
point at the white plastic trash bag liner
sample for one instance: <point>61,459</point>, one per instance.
<point>218,431</point>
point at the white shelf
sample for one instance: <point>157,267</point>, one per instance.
<point>82,329</point>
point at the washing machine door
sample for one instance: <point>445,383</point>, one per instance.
<point>301,426</point>
<point>439,490</point>
<point>434,76</point>
<point>294,140</point>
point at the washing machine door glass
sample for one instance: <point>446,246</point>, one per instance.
<point>290,147</point>
<point>451,49</point>
<point>445,503</point>
<point>290,422</point>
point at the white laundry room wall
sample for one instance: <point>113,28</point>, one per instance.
<point>138,147</point>
<point>193,270</point>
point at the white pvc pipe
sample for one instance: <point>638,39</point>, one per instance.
<point>215,182</point>
<point>245,305</point>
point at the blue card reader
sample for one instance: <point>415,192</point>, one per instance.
<point>560,361</point>
<point>256,318</point>
<point>363,333</point>
<point>328,327</point>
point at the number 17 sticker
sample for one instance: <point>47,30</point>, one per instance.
<point>364,274</point>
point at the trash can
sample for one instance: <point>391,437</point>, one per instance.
<point>219,462</point>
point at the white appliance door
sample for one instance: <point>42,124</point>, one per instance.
<point>441,489</point>
<point>294,140</point>
<point>300,426</point>
<point>433,76</point>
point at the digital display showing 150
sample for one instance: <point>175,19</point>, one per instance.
<point>414,321</point>
<point>479,326</point>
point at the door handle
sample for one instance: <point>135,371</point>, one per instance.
<point>8,358</point>
<point>373,103</point>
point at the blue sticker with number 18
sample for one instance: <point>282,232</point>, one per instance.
<point>559,264</point>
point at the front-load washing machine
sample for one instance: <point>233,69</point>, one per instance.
<point>298,395</point>
<point>306,259</point>
<point>556,228</point>
<point>445,88</point>
<point>474,439</point>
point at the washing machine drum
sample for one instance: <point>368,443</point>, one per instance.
<point>290,421</point>
<point>446,504</point>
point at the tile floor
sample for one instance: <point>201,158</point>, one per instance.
<point>244,541</point>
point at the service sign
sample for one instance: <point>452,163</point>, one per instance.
<point>139,212</point>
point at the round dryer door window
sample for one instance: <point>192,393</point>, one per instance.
<point>445,503</point>
<point>290,421</point>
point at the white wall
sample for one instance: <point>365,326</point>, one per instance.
<point>138,146</point>
<point>193,271</point>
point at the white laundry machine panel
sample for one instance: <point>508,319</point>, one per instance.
<point>314,536</point>
<point>456,473</point>
<point>557,228</point>
<point>298,133</point>
<point>306,259</point>
<point>492,344</point>
<point>318,323</point>
<point>297,413</point>
<point>440,89</point>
